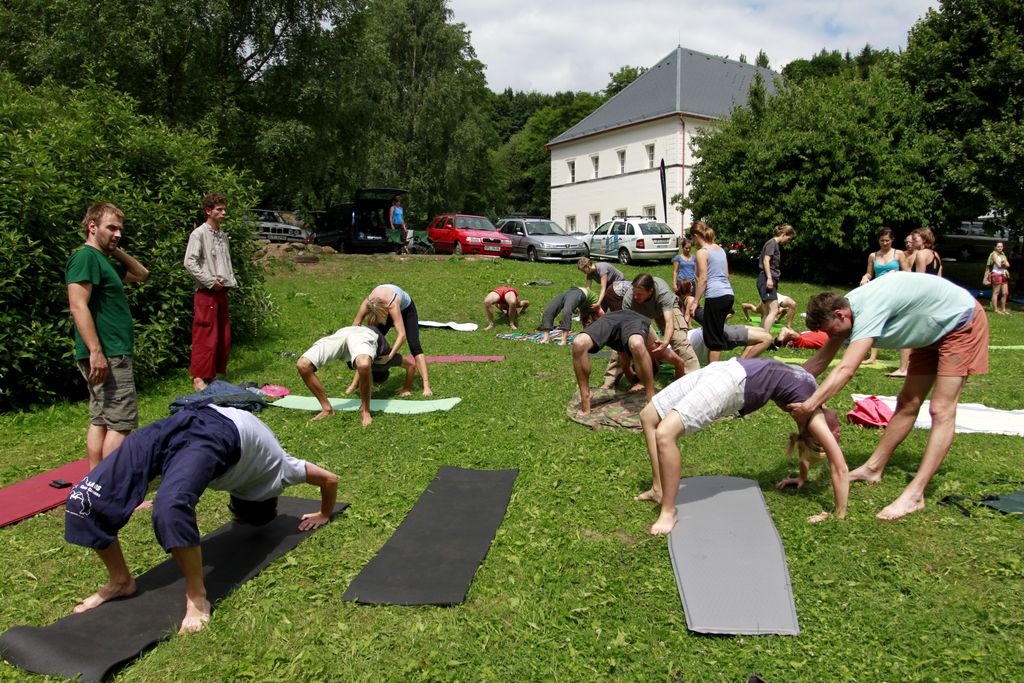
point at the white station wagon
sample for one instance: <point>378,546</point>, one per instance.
<point>633,238</point>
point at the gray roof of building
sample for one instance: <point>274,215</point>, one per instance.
<point>684,82</point>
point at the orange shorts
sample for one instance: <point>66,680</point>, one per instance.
<point>960,353</point>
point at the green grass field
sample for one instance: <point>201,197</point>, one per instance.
<point>573,588</point>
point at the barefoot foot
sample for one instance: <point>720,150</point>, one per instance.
<point>367,419</point>
<point>896,373</point>
<point>403,393</point>
<point>865,474</point>
<point>144,505</point>
<point>905,505</point>
<point>427,391</point>
<point>489,327</point>
<point>323,414</point>
<point>664,524</point>
<point>197,614</point>
<point>649,494</point>
<point>108,591</point>
<point>198,383</point>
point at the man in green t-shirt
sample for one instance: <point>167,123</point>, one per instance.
<point>103,329</point>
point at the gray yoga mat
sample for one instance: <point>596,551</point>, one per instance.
<point>729,563</point>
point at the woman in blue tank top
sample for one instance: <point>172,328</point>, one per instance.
<point>712,284</point>
<point>885,260</point>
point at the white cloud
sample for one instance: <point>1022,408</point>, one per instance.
<point>574,44</point>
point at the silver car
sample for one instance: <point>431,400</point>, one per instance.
<point>631,239</point>
<point>540,239</point>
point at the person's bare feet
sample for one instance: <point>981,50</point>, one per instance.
<point>108,591</point>
<point>489,327</point>
<point>513,326</point>
<point>583,413</point>
<point>197,614</point>
<point>144,505</point>
<point>323,414</point>
<point>367,419</point>
<point>865,474</point>
<point>198,383</point>
<point>427,391</point>
<point>649,494</point>
<point>403,393</point>
<point>636,388</point>
<point>666,520</point>
<point>906,504</point>
<point>896,373</point>
<point>352,387</point>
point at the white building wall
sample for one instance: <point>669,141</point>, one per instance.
<point>638,187</point>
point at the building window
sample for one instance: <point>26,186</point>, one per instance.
<point>620,213</point>
<point>593,160</point>
<point>650,156</point>
<point>570,223</point>
<point>649,211</point>
<point>572,171</point>
<point>622,160</point>
<point>595,220</point>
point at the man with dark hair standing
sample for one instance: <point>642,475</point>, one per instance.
<point>947,332</point>
<point>208,259</point>
<point>104,344</point>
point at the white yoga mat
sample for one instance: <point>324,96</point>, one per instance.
<point>383,405</point>
<point>458,327</point>
<point>971,418</point>
<point>728,559</point>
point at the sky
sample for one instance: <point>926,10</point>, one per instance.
<point>557,45</point>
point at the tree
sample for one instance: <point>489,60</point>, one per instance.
<point>62,150</point>
<point>762,60</point>
<point>618,81</point>
<point>967,62</point>
<point>837,158</point>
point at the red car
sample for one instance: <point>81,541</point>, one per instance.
<point>458,233</point>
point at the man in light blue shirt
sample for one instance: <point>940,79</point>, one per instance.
<point>948,332</point>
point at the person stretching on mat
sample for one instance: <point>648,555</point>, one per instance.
<point>631,335</point>
<point>787,307</point>
<point>508,302</point>
<point>568,302</point>
<point>736,386</point>
<point>406,321</point>
<point>214,447</point>
<point>361,346</point>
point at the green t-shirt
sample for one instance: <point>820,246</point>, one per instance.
<point>591,299</point>
<point>107,303</point>
<point>907,310</point>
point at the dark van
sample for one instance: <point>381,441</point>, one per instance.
<point>361,225</point>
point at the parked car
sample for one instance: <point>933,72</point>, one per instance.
<point>633,238</point>
<point>459,233</point>
<point>973,241</point>
<point>360,225</point>
<point>540,239</point>
<point>270,226</point>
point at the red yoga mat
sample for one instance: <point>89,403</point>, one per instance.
<point>35,495</point>
<point>464,359</point>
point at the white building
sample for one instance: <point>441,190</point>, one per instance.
<point>609,163</point>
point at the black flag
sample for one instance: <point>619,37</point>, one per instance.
<point>664,190</point>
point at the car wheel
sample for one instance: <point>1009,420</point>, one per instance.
<point>586,250</point>
<point>531,255</point>
<point>457,249</point>
<point>624,257</point>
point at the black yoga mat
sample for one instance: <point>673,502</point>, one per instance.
<point>433,555</point>
<point>92,644</point>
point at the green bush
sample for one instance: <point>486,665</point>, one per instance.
<point>62,150</point>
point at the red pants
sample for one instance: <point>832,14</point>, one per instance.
<point>211,334</point>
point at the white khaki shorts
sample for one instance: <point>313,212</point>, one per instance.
<point>346,344</point>
<point>700,398</point>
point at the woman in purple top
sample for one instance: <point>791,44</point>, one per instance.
<point>736,386</point>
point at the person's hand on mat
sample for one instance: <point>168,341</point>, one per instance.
<point>314,520</point>
<point>792,481</point>
<point>820,517</point>
<point>97,367</point>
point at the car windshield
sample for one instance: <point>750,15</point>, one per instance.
<point>474,223</point>
<point>655,229</point>
<point>544,228</point>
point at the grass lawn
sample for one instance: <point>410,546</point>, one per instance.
<point>573,588</point>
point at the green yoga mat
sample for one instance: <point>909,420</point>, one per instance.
<point>878,364</point>
<point>1016,347</point>
<point>382,405</point>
